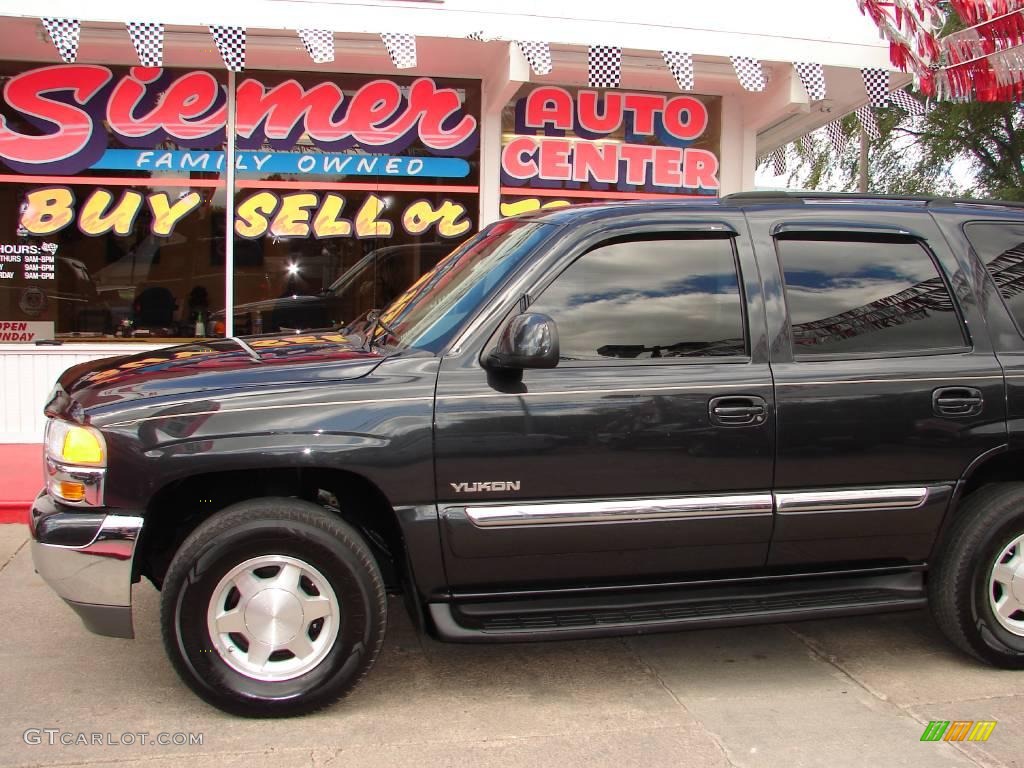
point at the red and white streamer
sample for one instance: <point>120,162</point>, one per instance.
<point>985,61</point>
<point>912,28</point>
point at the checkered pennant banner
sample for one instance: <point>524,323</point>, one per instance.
<point>230,42</point>
<point>749,72</point>
<point>401,48</point>
<point>778,161</point>
<point>319,44</point>
<point>813,77</point>
<point>836,136</point>
<point>64,33</point>
<point>538,54</point>
<point>681,66</point>
<point>604,66</point>
<point>907,103</point>
<point>148,39</point>
<point>867,120</point>
<point>876,83</point>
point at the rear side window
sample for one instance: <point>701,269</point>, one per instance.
<point>866,298</point>
<point>648,299</point>
<point>1001,248</point>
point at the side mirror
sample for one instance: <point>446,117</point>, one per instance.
<point>527,341</point>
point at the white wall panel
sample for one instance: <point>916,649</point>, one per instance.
<point>27,374</point>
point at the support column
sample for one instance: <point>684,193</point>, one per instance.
<point>229,211</point>
<point>498,86</point>
<point>738,149</point>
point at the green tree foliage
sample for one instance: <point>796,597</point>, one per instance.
<point>969,149</point>
<point>972,149</point>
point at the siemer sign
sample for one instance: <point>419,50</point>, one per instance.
<point>71,115</point>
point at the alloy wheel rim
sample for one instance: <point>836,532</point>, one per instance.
<point>1006,587</point>
<point>273,618</point>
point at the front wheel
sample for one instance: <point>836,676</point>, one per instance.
<point>976,587</point>
<point>273,607</point>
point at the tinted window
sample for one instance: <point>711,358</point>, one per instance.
<point>646,299</point>
<point>1001,247</point>
<point>866,298</point>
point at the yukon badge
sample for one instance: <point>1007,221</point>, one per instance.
<point>494,485</point>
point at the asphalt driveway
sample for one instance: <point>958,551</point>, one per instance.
<point>851,692</point>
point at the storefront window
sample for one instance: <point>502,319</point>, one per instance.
<point>112,206</point>
<point>341,205</point>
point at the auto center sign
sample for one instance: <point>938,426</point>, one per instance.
<point>564,141</point>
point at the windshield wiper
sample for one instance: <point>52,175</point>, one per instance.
<point>248,349</point>
<point>374,317</point>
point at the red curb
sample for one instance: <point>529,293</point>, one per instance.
<point>14,511</point>
<point>21,477</point>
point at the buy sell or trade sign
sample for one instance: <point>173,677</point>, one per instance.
<point>49,210</point>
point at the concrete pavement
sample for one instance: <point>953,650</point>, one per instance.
<point>852,692</point>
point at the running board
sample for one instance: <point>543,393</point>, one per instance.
<point>556,617</point>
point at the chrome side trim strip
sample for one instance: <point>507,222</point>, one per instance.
<point>620,511</point>
<point>836,501</point>
<point>950,379</point>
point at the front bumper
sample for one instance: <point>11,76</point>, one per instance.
<point>87,557</point>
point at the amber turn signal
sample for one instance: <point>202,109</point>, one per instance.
<point>70,490</point>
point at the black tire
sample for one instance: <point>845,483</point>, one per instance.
<point>275,527</point>
<point>959,579</point>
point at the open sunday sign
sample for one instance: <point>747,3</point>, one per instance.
<point>304,163</point>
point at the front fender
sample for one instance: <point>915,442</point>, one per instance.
<point>379,426</point>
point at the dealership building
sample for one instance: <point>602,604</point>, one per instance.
<point>200,170</point>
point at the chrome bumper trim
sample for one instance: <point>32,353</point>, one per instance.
<point>619,511</point>
<point>843,501</point>
<point>91,477</point>
<point>97,573</point>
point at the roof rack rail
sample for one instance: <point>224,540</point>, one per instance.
<point>864,197</point>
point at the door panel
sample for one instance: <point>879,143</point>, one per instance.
<point>609,469</point>
<point>603,435</point>
<point>879,388</point>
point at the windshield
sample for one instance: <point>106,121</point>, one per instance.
<point>427,313</point>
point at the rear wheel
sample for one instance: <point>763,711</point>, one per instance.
<point>976,586</point>
<point>273,607</point>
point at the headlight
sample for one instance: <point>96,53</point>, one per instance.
<point>75,444</point>
<point>75,459</point>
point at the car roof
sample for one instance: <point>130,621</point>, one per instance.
<point>585,212</point>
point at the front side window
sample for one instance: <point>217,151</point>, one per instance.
<point>646,299</point>
<point>1001,248</point>
<point>427,313</point>
<point>878,297</point>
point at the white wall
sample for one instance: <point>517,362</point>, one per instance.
<point>28,373</point>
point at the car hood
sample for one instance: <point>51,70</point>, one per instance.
<point>204,368</point>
